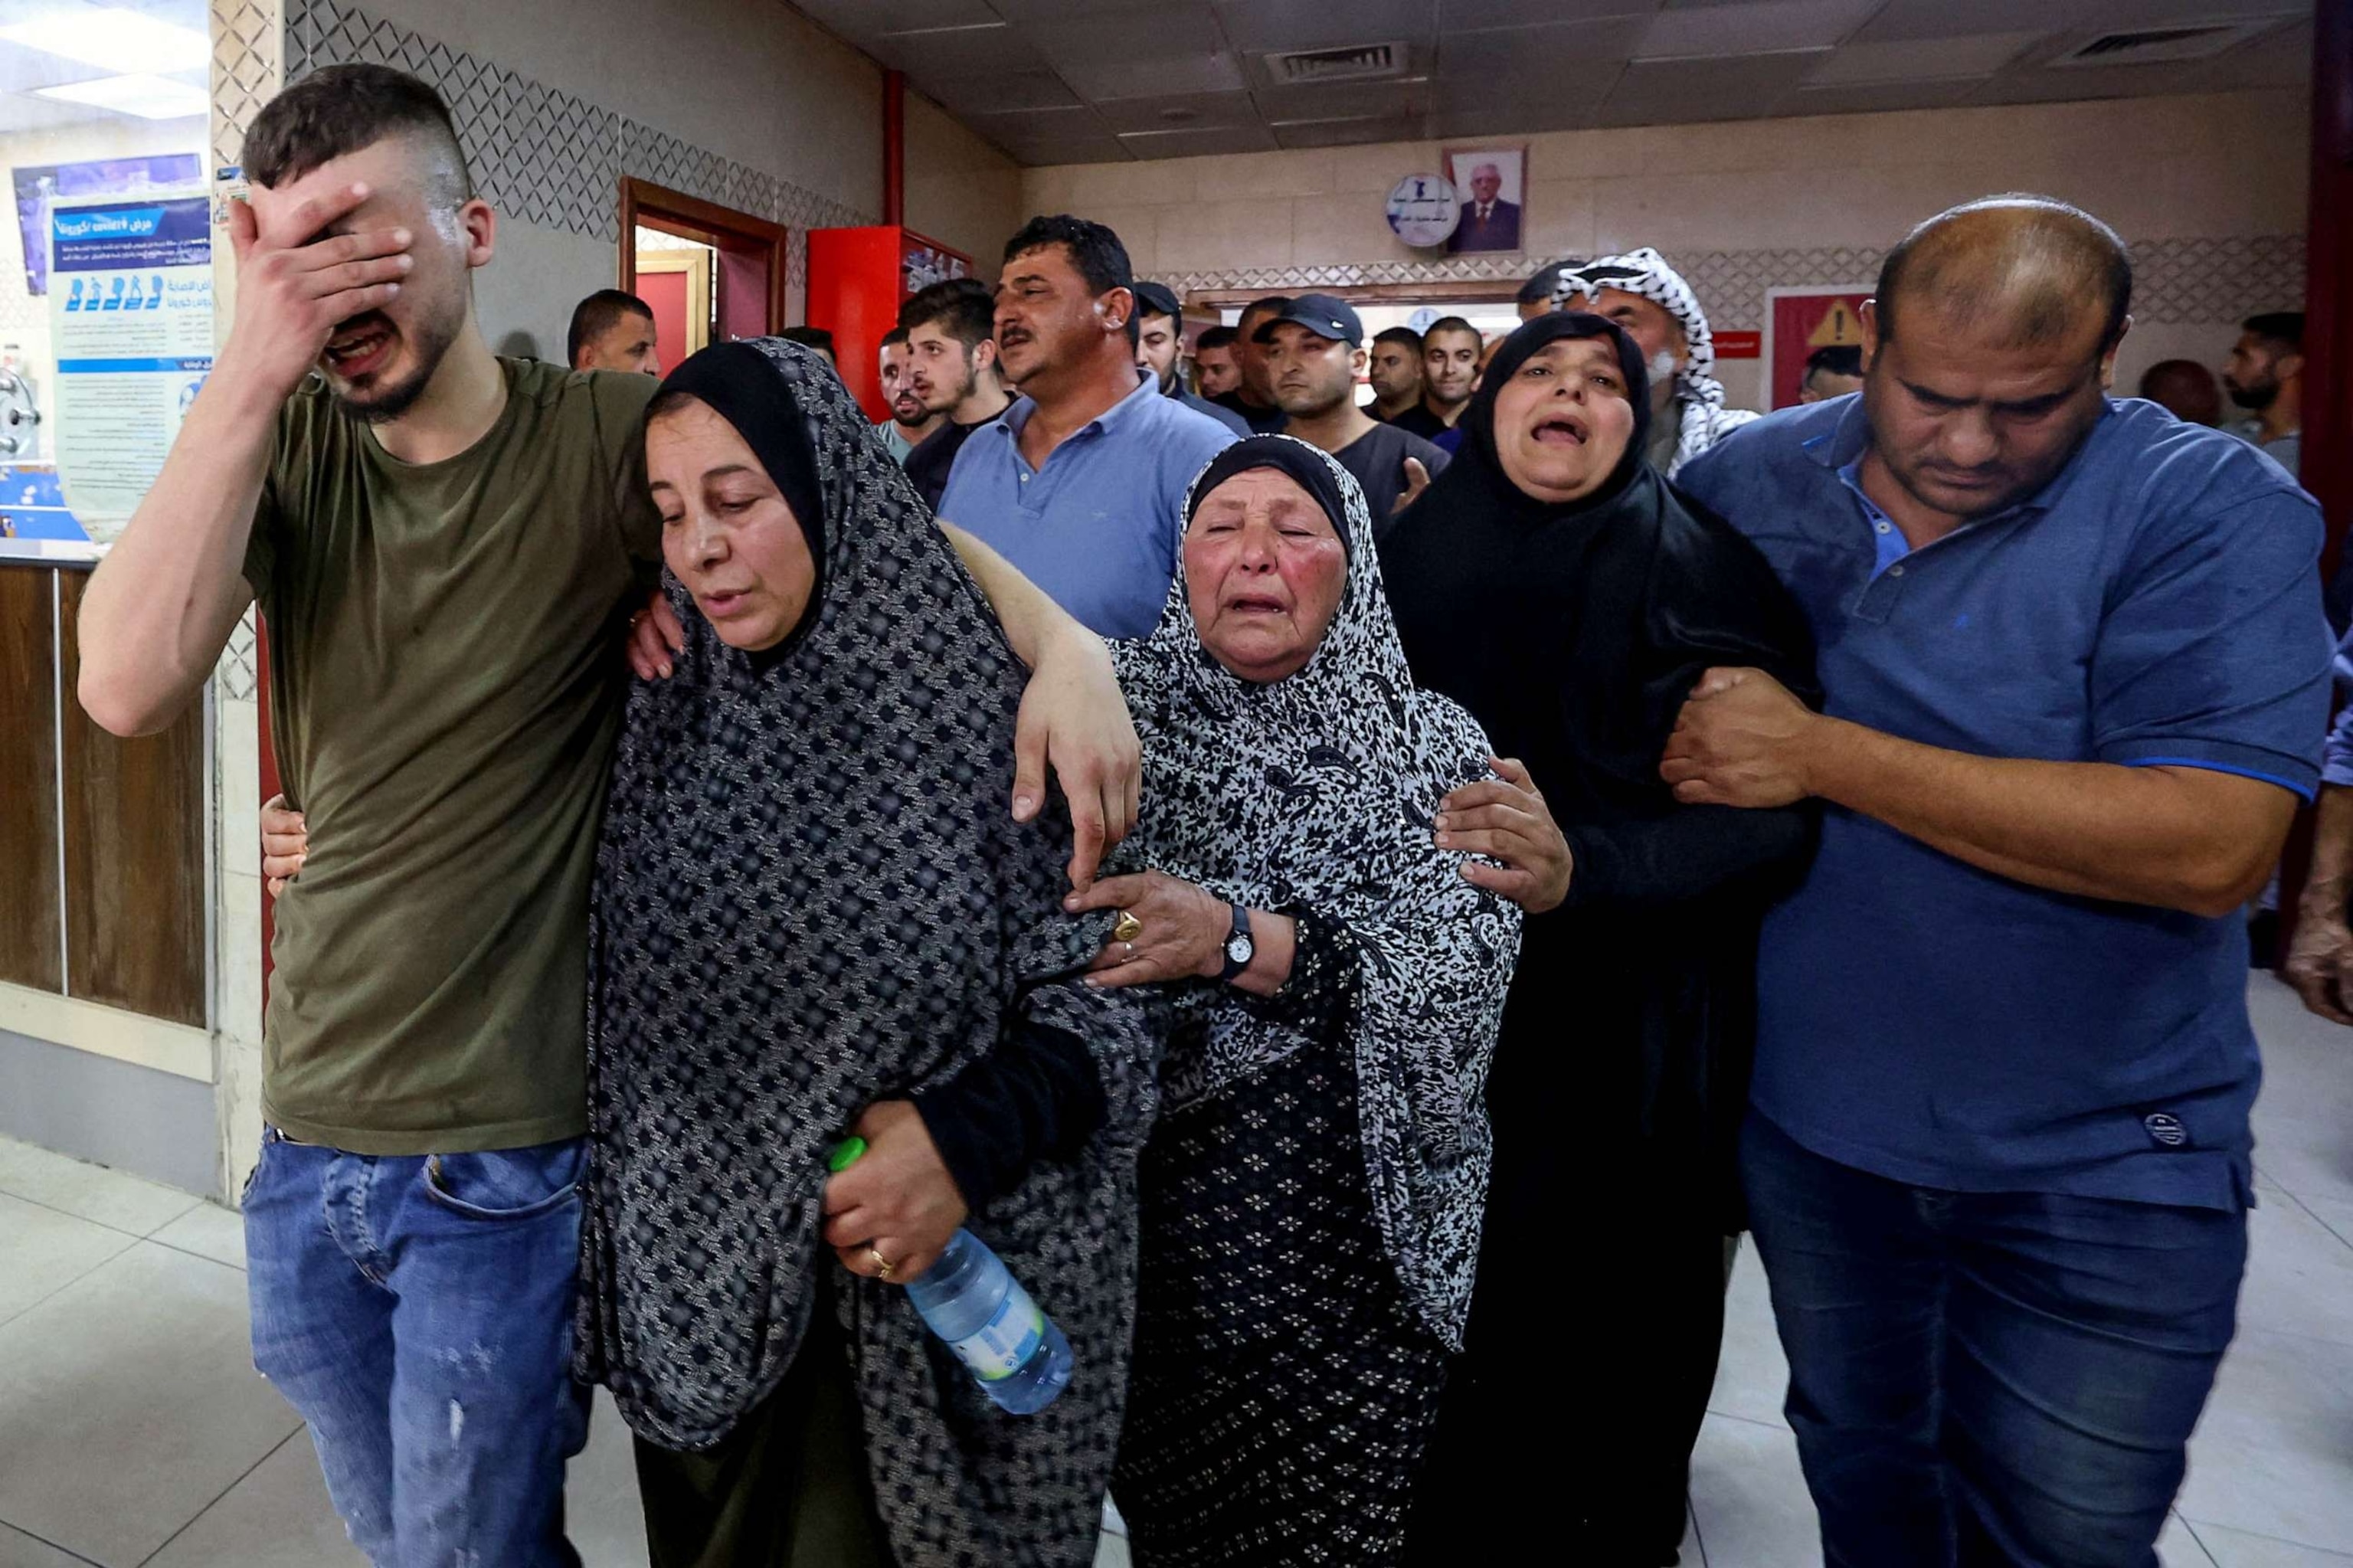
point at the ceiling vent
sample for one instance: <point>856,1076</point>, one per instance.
<point>1362,62</point>
<point>2158,45</point>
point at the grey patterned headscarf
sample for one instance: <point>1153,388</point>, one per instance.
<point>810,897</point>
<point>1702,419</point>
<point>1316,792</point>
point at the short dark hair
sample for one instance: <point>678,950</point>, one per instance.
<point>341,109</point>
<point>2051,257</point>
<point>1265,305</point>
<point>896,335</point>
<point>1406,335</point>
<point>1451,324</point>
<point>1544,284</point>
<point>1216,337</point>
<point>808,337</point>
<point>1093,250</point>
<point>1837,358</point>
<point>963,307</point>
<point>597,314</point>
<point>2284,328</point>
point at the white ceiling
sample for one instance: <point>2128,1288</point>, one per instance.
<point>23,70</point>
<point>1066,81</point>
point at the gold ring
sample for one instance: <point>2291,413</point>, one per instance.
<point>882,1266</point>
<point>1127,927</point>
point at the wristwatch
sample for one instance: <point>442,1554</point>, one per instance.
<point>1240,948</point>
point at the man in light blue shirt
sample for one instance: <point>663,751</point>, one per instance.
<point>1080,482</point>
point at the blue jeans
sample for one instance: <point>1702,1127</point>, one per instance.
<point>417,1312</point>
<point>1988,1378</point>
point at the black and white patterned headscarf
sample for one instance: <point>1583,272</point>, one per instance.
<point>1703,420</point>
<point>1316,792</point>
<point>810,897</point>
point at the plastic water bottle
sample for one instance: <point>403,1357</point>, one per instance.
<point>971,1300</point>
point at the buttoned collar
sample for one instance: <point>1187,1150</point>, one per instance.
<point>1017,413</point>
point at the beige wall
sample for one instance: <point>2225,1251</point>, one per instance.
<point>960,190</point>
<point>1761,202</point>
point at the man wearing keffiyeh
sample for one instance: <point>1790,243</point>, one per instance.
<point>1649,299</point>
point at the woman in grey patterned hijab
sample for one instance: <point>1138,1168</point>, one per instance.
<point>1312,1198</point>
<point>812,918</point>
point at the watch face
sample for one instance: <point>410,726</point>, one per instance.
<point>1239,949</point>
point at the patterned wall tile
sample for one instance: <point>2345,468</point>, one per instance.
<point>550,158</point>
<point>2195,281</point>
<point>245,62</point>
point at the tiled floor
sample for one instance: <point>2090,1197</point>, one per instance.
<point>133,1430</point>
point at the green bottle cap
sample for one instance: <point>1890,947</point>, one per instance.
<point>844,1155</point>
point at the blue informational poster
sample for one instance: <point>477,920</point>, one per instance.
<point>40,186</point>
<point>130,314</point>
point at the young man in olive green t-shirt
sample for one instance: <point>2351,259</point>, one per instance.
<point>446,545</point>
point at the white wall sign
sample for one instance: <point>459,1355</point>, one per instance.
<point>1423,209</point>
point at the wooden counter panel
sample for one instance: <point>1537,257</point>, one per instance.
<point>134,825</point>
<point>29,781</point>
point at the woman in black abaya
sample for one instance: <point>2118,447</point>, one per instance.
<point>1556,587</point>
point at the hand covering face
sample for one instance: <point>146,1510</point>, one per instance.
<point>1316,792</point>
<point>810,897</point>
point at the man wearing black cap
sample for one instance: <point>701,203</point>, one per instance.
<point>1315,351</point>
<point>1160,335</point>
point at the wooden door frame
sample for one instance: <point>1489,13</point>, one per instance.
<point>696,265</point>
<point>721,227</point>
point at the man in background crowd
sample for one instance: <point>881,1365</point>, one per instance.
<point>2264,376</point>
<point>1649,299</point>
<point>2185,389</point>
<point>1832,371</point>
<point>1536,295</point>
<point>1450,351</point>
<point>1160,352</point>
<point>952,373</point>
<point>910,421</point>
<point>1395,371</point>
<point>1253,395</point>
<point>612,331</point>
<point>1080,482</point>
<point>816,338</point>
<point>1215,374</point>
<point>1315,347</point>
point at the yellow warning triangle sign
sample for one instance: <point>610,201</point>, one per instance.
<point>1839,328</point>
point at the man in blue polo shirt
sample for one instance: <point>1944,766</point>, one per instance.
<point>2075,674</point>
<point>1081,482</point>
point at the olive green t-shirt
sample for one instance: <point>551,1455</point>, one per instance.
<point>445,654</point>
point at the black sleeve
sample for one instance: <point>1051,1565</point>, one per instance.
<point>1036,1096</point>
<point>1712,600</point>
<point>1323,978</point>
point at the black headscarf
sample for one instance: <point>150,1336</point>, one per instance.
<point>810,897</point>
<point>1311,469</point>
<point>1574,632</point>
<point>1478,420</point>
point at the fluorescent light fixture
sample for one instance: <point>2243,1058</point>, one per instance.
<point>147,97</point>
<point>128,41</point>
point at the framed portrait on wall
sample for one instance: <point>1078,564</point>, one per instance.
<point>1492,183</point>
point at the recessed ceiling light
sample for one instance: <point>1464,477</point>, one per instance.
<point>147,97</point>
<point>130,42</point>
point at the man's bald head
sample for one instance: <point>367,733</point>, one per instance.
<point>2184,389</point>
<point>2023,271</point>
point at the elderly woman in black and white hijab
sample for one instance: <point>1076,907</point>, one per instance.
<point>812,918</point>
<point>1312,1198</point>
